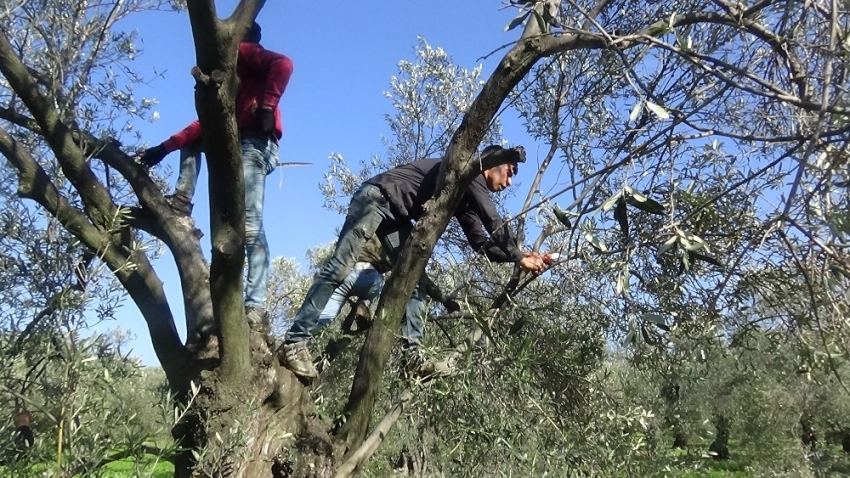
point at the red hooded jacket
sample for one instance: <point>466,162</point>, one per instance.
<point>263,76</point>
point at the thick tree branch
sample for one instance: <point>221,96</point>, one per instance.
<point>130,267</point>
<point>216,50</point>
<point>96,199</point>
<point>23,121</point>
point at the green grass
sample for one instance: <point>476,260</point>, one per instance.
<point>127,468</point>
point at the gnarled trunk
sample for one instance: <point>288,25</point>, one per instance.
<point>258,426</point>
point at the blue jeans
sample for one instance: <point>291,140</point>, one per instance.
<point>413,325</point>
<point>190,167</point>
<point>367,210</point>
<point>366,285</point>
<point>259,159</point>
<point>363,283</point>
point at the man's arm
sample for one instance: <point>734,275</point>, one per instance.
<point>501,246</point>
<point>188,135</point>
<point>184,137</point>
<point>480,242</point>
<point>433,291</point>
<point>479,210</point>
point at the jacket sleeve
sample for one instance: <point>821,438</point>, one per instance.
<point>276,68</point>
<point>432,289</point>
<point>186,136</point>
<point>479,210</point>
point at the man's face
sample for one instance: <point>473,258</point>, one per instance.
<point>500,177</point>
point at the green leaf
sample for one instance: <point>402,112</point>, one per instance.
<point>541,22</point>
<point>658,110</point>
<point>596,243</point>
<point>518,325</point>
<point>636,111</point>
<point>684,264</point>
<point>651,206</point>
<point>485,327</point>
<point>659,320</point>
<point>621,217</point>
<point>609,203</point>
<point>704,258</point>
<point>517,21</point>
<point>839,271</point>
<point>630,337</point>
<point>562,217</point>
<point>667,245</point>
<point>634,194</point>
<point>654,318</point>
<point>647,337</point>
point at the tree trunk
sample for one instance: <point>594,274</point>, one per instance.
<point>257,427</point>
<point>720,446</point>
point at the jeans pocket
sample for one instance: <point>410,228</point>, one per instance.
<point>374,194</point>
<point>271,156</point>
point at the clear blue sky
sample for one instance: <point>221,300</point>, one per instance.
<point>344,55</point>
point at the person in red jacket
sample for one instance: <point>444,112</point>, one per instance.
<point>263,77</point>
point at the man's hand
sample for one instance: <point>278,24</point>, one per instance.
<point>152,156</point>
<point>533,262</point>
<point>451,305</point>
<point>265,121</point>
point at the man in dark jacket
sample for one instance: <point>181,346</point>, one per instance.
<point>263,77</point>
<point>393,198</point>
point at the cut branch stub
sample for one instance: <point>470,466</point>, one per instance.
<point>216,78</point>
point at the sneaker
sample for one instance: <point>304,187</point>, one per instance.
<point>180,204</point>
<point>418,367</point>
<point>258,319</point>
<point>363,316</point>
<point>297,358</point>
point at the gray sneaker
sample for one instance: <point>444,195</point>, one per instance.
<point>258,319</point>
<point>416,366</point>
<point>363,316</point>
<point>297,358</point>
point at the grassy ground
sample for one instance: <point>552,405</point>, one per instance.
<point>127,468</point>
<point>829,462</point>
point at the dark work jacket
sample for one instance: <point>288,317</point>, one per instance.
<point>383,252</point>
<point>407,187</point>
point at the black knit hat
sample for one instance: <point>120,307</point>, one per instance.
<point>255,33</point>
<point>495,155</point>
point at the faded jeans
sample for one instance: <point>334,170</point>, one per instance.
<point>190,167</point>
<point>363,282</point>
<point>367,210</point>
<point>259,159</point>
<point>366,283</point>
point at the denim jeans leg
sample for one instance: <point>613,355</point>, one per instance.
<point>367,210</point>
<point>413,324</point>
<point>337,300</point>
<point>190,167</point>
<point>369,285</point>
<point>258,159</point>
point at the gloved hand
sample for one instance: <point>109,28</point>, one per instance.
<point>451,305</point>
<point>153,156</point>
<point>265,121</point>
